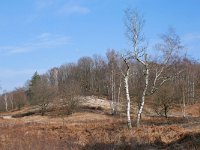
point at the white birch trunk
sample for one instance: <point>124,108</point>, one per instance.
<point>128,107</point>
<point>6,102</point>
<point>128,99</point>
<point>141,106</point>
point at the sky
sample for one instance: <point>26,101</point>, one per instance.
<point>36,35</point>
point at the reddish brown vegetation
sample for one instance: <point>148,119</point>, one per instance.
<point>94,131</point>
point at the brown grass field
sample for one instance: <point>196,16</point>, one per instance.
<point>95,129</point>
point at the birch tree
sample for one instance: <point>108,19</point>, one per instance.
<point>114,78</point>
<point>5,98</point>
<point>163,71</point>
<point>134,25</point>
<point>126,75</point>
<point>167,49</point>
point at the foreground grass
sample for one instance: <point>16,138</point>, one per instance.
<point>89,130</point>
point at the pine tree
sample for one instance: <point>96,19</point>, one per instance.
<point>34,81</point>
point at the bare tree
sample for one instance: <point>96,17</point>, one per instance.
<point>19,98</point>
<point>114,74</point>
<point>164,100</point>
<point>5,100</point>
<point>69,88</point>
<point>99,76</point>
<point>43,93</point>
<point>134,24</point>
<point>85,65</point>
<point>53,75</point>
<point>10,97</point>
<point>70,96</point>
<point>171,43</point>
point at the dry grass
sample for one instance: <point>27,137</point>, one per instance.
<point>88,131</point>
<point>97,130</point>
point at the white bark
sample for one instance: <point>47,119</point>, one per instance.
<point>126,79</point>
<point>141,106</point>
<point>128,101</point>
<point>6,102</point>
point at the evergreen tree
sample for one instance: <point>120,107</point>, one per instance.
<point>34,81</point>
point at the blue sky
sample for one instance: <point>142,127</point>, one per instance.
<point>41,34</point>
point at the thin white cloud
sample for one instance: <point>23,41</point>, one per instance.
<point>53,8</point>
<point>69,9</point>
<point>42,4</point>
<point>191,37</point>
<point>43,41</point>
<point>44,35</point>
